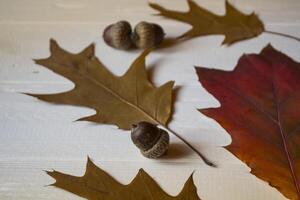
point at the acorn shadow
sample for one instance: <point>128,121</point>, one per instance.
<point>176,150</point>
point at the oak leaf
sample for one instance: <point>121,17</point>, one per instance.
<point>96,184</point>
<point>122,101</point>
<point>234,25</point>
<point>260,109</point>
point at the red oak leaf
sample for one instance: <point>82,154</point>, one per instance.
<point>260,109</point>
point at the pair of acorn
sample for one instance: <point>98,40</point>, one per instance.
<point>145,35</point>
<point>152,141</point>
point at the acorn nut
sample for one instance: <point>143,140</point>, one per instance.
<point>147,35</point>
<point>152,141</point>
<point>118,35</point>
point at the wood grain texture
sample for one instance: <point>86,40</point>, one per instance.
<point>32,140</point>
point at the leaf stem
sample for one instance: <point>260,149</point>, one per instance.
<point>283,35</point>
<point>205,160</point>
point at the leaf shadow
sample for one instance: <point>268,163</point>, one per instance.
<point>151,73</point>
<point>174,98</point>
<point>170,44</point>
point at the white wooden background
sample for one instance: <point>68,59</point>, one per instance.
<point>37,136</point>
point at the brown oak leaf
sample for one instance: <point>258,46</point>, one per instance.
<point>96,184</point>
<point>122,101</point>
<point>234,25</point>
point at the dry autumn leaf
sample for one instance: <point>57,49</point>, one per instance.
<point>96,184</point>
<point>234,25</point>
<point>260,101</point>
<point>122,101</point>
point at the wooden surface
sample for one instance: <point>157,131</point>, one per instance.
<point>37,136</point>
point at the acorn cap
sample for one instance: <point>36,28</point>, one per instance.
<point>147,35</point>
<point>118,35</point>
<point>160,148</point>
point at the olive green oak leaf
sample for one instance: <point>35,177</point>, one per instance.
<point>234,25</point>
<point>96,184</point>
<point>122,101</point>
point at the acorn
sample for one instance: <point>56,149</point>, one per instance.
<point>147,35</point>
<point>118,35</point>
<point>152,141</point>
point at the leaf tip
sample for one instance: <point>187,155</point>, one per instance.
<point>51,173</point>
<point>155,6</point>
<point>191,3</point>
<point>142,172</point>
<point>267,49</point>
<point>90,164</point>
<point>40,61</point>
<point>198,70</point>
<point>92,118</point>
<point>89,51</point>
<point>269,46</point>
<point>172,83</point>
<point>169,84</point>
<point>229,6</point>
<point>89,159</point>
<point>48,171</point>
<point>151,4</point>
<point>191,177</point>
<point>35,60</point>
<point>52,184</point>
<point>29,94</point>
<point>53,45</point>
<point>228,41</point>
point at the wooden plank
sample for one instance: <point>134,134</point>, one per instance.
<point>37,136</point>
